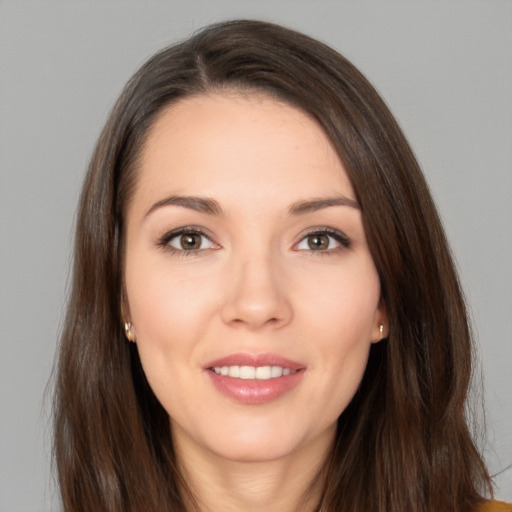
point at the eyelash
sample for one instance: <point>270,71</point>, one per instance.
<point>338,236</point>
<point>164,242</point>
<point>341,238</point>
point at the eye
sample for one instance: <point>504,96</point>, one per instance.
<point>186,241</point>
<point>323,241</point>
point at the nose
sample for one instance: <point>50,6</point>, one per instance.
<point>256,294</point>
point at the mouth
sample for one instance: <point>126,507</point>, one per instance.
<point>255,379</point>
<point>253,372</point>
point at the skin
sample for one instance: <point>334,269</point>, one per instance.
<point>254,286</point>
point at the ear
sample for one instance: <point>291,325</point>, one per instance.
<point>380,329</point>
<point>125,308</point>
<point>126,316</point>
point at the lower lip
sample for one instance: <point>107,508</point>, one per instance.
<point>253,391</point>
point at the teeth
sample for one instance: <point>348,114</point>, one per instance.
<point>263,372</point>
<point>247,372</point>
<point>234,371</point>
<point>253,372</point>
<point>276,371</point>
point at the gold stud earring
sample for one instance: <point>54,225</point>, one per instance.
<point>381,331</point>
<point>128,331</point>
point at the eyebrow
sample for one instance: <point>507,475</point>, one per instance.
<point>211,207</point>
<point>199,204</point>
<point>302,207</point>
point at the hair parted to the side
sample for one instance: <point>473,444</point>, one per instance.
<point>403,442</point>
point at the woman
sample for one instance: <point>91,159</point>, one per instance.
<point>264,311</point>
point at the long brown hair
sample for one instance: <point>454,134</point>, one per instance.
<point>403,443</point>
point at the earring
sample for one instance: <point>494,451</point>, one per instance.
<point>381,331</point>
<point>128,331</point>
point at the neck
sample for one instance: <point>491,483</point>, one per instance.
<point>288,484</point>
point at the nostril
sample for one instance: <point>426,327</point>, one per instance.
<point>255,297</point>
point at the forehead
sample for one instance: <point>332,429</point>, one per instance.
<point>233,144</point>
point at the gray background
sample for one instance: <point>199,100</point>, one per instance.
<point>444,67</point>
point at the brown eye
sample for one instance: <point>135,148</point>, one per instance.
<point>325,241</point>
<point>318,242</point>
<point>190,241</point>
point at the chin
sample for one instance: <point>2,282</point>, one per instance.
<point>268,444</point>
<point>254,451</point>
<point>241,443</point>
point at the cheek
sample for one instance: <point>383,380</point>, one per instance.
<point>342,313</point>
<point>170,313</point>
<point>343,302</point>
<point>166,302</point>
<point>342,332</point>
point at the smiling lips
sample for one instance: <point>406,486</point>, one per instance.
<point>254,379</point>
<point>253,372</point>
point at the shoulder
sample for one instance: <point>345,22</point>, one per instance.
<point>494,506</point>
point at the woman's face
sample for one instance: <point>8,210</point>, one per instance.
<point>250,286</point>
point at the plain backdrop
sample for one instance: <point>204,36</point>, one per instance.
<point>444,67</point>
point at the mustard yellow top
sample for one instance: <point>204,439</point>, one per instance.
<point>495,506</point>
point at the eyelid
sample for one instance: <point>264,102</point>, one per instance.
<point>340,237</point>
<point>164,241</point>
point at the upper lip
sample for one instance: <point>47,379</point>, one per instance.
<point>245,359</point>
